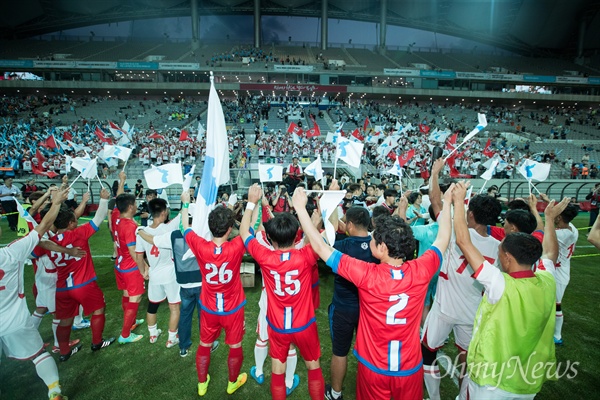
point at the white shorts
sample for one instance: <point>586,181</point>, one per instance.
<point>169,291</point>
<point>46,284</point>
<point>474,391</point>
<point>22,344</point>
<point>261,326</point>
<point>560,292</point>
<point>437,327</point>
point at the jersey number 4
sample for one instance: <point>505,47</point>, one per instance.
<point>292,286</point>
<point>224,274</point>
<point>401,301</point>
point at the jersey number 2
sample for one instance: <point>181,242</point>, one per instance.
<point>401,303</point>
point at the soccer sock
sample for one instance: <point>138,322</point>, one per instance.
<point>234,362</point>
<point>203,362</point>
<point>335,395</point>
<point>129,318</point>
<point>153,330</point>
<point>55,323</point>
<point>290,367</point>
<point>45,366</point>
<point>559,324</point>
<point>63,333</point>
<point>173,335</point>
<point>79,317</point>
<point>316,384</point>
<point>36,319</point>
<point>278,391</point>
<point>431,374</point>
<point>97,323</point>
<point>261,351</point>
<point>124,302</point>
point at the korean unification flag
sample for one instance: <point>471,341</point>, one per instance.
<point>533,170</point>
<point>216,164</point>
<point>270,172</point>
<point>350,152</point>
<point>328,203</point>
<point>187,179</point>
<point>201,131</point>
<point>331,137</point>
<point>163,176</point>
<point>396,169</point>
<point>124,140</point>
<point>439,136</point>
<point>482,123</point>
<point>489,173</point>
<point>79,163</point>
<point>112,151</point>
<point>90,170</point>
<point>315,169</point>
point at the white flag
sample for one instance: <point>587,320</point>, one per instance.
<point>25,215</point>
<point>396,169</point>
<point>112,151</point>
<point>79,163</point>
<point>200,133</point>
<point>124,140</point>
<point>331,137</point>
<point>90,170</point>
<point>482,124</point>
<point>232,199</point>
<point>350,152</point>
<point>315,169</point>
<point>68,161</point>
<point>533,170</point>
<point>329,202</point>
<point>216,164</point>
<point>76,147</point>
<point>126,126</point>
<point>270,172</point>
<point>440,137</point>
<point>163,176</point>
<point>187,181</point>
<point>487,175</point>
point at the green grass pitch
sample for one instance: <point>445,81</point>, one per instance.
<point>143,370</point>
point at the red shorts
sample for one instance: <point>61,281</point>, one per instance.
<point>233,324</point>
<point>306,341</point>
<point>89,296</point>
<point>373,386</point>
<point>132,282</point>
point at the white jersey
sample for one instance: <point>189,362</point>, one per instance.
<point>458,293</point>
<point>162,268</point>
<point>567,238</point>
<point>13,306</point>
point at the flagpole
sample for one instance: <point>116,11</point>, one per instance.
<point>323,191</point>
<point>101,185</point>
<point>481,190</point>
<point>453,150</point>
<point>72,183</point>
<point>124,165</point>
<point>529,185</point>
<point>334,167</point>
<point>536,189</point>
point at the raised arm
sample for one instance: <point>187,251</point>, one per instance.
<point>316,241</point>
<point>445,220</point>
<point>550,242</point>
<point>435,194</point>
<point>185,218</point>
<point>81,207</point>
<point>254,195</point>
<point>533,208</point>
<point>463,239</point>
<point>57,200</point>
<point>122,178</point>
<point>102,210</point>
<point>39,203</point>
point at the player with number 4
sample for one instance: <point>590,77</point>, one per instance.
<point>222,299</point>
<point>391,298</point>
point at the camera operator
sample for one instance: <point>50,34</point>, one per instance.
<point>493,192</point>
<point>143,210</point>
<point>281,201</point>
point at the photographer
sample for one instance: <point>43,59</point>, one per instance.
<point>594,197</point>
<point>143,210</point>
<point>281,201</point>
<point>493,192</point>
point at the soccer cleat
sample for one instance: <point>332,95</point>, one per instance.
<point>104,343</point>
<point>184,352</point>
<point>233,386</point>
<point>65,357</point>
<point>154,338</point>
<point>215,346</point>
<point>558,342</point>
<point>329,393</point>
<point>295,384</point>
<point>56,349</point>
<point>84,324</point>
<point>58,396</point>
<point>203,386</point>
<point>130,339</point>
<point>137,323</point>
<point>260,379</point>
<point>172,343</point>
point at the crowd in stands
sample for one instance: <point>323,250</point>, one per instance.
<point>252,55</point>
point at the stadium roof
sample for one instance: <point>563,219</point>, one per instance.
<point>529,27</point>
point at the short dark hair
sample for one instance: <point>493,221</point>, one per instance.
<point>413,197</point>
<point>359,216</point>
<point>397,236</point>
<point>157,207</point>
<point>353,187</point>
<point>569,213</point>
<point>124,200</point>
<point>381,186</point>
<point>379,211</point>
<point>220,220</point>
<point>525,248</point>
<point>485,209</point>
<point>35,196</point>
<point>64,218</point>
<point>282,229</point>
<point>524,220</point>
<point>389,193</point>
<point>518,204</point>
<point>151,192</point>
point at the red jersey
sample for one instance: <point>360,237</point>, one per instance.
<point>498,233</point>
<point>124,233</point>
<point>391,302</point>
<point>72,272</point>
<point>222,292</point>
<point>287,277</point>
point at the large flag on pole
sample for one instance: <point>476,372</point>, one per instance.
<point>350,152</point>
<point>164,175</point>
<point>270,172</point>
<point>216,164</point>
<point>315,169</point>
<point>120,152</point>
<point>533,170</point>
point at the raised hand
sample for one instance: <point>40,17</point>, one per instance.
<point>299,199</point>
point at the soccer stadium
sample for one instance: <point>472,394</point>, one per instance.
<point>233,158</point>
